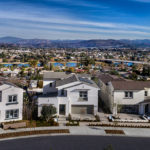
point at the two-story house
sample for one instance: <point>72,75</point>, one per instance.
<point>126,96</point>
<point>49,79</point>
<point>11,102</point>
<point>72,95</point>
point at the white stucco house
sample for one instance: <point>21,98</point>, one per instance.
<point>71,95</point>
<point>49,79</point>
<point>11,102</point>
<point>122,96</point>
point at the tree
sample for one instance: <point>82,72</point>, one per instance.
<point>40,84</point>
<point>48,112</point>
<point>51,66</point>
<point>114,72</point>
<point>22,72</point>
<point>33,63</point>
<point>11,68</point>
<point>133,76</point>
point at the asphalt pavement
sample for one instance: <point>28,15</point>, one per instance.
<point>71,142</point>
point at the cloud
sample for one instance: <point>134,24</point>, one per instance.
<point>62,35</point>
<point>72,28</point>
<point>60,20</point>
<point>52,19</point>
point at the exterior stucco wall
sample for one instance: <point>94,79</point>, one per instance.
<point>47,101</point>
<point>4,106</point>
<point>71,98</point>
<point>47,88</point>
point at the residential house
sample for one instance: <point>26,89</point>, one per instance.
<point>72,95</point>
<point>104,93</point>
<point>11,102</point>
<point>122,96</point>
<point>49,79</point>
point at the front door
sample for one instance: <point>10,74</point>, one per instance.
<point>62,109</point>
<point>146,108</point>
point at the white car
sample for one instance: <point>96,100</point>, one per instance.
<point>145,117</point>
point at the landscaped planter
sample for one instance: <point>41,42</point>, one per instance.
<point>120,125</point>
<point>114,132</point>
<point>35,132</point>
<point>13,125</point>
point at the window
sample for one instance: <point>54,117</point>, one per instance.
<point>146,93</point>
<point>83,95</point>
<point>128,94</point>
<point>51,84</point>
<point>12,98</point>
<point>62,92</point>
<point>12,114</point>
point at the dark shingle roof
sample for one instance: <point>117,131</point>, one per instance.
<point>55,75</point>
<point>75,78</point>
<point>105,78</point>
<point>68,80</point>
<point>130,85</point>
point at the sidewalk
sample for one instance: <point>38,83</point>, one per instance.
<point>86,130</point>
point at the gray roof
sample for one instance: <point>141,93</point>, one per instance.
<point>130,85</point>
<point>84,75</point>
<point>105,78</point>
<point>55,75</point>
<point>75,78</point>
<point>68,80</point>
<point>8,83</point>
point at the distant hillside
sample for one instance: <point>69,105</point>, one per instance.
<point>10,40</point>
<point>42,43</point>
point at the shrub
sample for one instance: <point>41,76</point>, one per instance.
<point>48,112</point>
<point>69,117</point>
<point>97,118</point>
<point>51,122</point>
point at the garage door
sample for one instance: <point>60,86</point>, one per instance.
<point>82,109</point>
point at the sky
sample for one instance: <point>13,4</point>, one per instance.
<point>75,19</point>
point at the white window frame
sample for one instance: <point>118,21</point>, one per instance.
<point>127,94</point>
<point>83,95</point>
<point>12,114</point>
<point>12,98</point>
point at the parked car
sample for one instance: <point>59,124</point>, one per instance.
<point>111,118</point>
<point>145,117</point>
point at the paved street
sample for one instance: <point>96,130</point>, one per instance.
<point>87,130</point>
<point>76,143</point>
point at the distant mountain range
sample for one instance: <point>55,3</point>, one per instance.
<point>42,43</point>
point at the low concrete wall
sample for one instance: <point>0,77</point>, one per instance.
<point>14,125</point>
